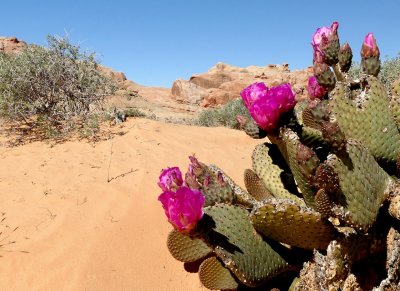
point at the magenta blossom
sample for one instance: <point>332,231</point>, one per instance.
<point>183,208</point>
<point>369,47</point>
<point>320,34</point>
<point>267,107</point>
<point>266,114</point>
<point>170,179</point>
<point>253,92</point>
<point>284,95</point>
<point>324,34</point>
<point>315,90</point>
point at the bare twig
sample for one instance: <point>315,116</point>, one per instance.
<point>122,175</point>
<point>109,163</point>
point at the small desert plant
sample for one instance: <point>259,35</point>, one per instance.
<point>47,87</point>
<point>224,116</point>
<point>134,112</point>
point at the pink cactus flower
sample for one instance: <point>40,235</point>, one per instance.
<point>369,47</point>
<point>265,114</point>
<point>320,34</point>
<point>253,92</point>
<point>170,179</point>
<point>325,34</point>
<point>284,95</point>
<point>183,208</point>
<point>315,91</point>
<point>267,107</point>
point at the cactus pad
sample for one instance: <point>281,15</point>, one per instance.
<point>363,183</point>
<point>228,230</point>
<point>215,193</point>
<point>368,119</point>
<point>255,186</point>
<point>291,141</point>
<point>241,196</point>
<point>298,226</point>
<point>214,276</point>
<point>267,169</point>
<point>185,248</point>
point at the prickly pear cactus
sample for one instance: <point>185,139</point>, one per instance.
<point>321,204</point>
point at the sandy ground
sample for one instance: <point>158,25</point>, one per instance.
<point>65,227</point>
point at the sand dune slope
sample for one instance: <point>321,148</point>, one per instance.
<point>64,227</point>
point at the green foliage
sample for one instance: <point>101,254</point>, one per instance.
<point>48,87</point>
<point>224,116</point>
<point>134,112</point>
<point>390,71</point>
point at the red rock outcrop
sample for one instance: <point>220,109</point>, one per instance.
<point>11,44</point>
<point>223,83</point>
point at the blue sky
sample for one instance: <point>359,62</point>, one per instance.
<point>156,42</point>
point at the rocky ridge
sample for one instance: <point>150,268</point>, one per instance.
<point>224,82</point>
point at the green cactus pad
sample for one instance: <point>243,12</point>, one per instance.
<point>227,228</point>
<point>255,186</point>
<point>326,79</point>
<point>215,193</point>
<point>267,169</point>
<point>315,113</point>
<point>310,136</point>
<point>309,119</point>
<point>185,248</point>
<point>283,221</point>
<point>298,110</point>
<point>214,276</point>
<point>291,141</point>
<point>331,52</point>
<point>253,130</point>
<point>395,109</point>
<point>395,102</point>
<point>368,119</point>
<point>241,196</point>
<point>363,184</point>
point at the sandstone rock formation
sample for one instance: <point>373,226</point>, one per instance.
<point>223,83</point>
<point>11,44</point>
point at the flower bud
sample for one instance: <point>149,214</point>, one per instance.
<point>369,47</point>
<point>370,61</point>
<point>345,57</point>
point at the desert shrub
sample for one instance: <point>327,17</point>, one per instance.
<point>390,71</point>
<point>223,116</point>
<point>134,112</point>
<point>50,88</point>
<point>355,70</point>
